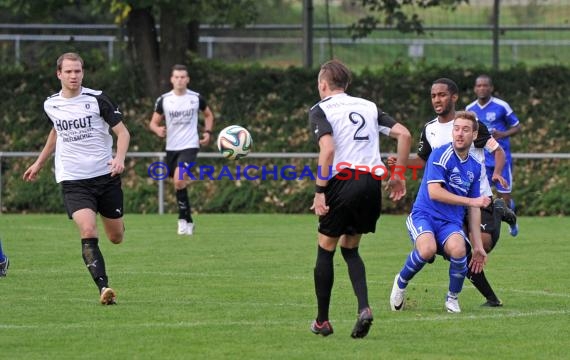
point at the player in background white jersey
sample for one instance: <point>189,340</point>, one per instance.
<point>179,108</point>
<point>84,163</point>
<point>502,123</point>
<point>348,190</point>
<point>437,132</point>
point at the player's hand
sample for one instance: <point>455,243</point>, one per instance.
<point>319,204</point>
<point>497,134</point>
<point>31,174</point>
<point>480,202</point>
<point>391,161</point>
<point>501,180</point>
<point>117,167</point>
<point>478,260</point>
<point>397,189</point>
<point>205,140</point>
<point>161,131</point>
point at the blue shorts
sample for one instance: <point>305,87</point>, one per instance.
<point>507,173</point>
<point>420,222</point>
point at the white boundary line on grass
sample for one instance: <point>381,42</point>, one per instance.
<point>190,324</point>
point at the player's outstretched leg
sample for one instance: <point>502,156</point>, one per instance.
<point>508,216</point>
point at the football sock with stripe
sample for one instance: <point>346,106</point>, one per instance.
<point>324,279</point>
<point>184,210</point>
<point>414,263</point>
<point>94,261</point>
<point>457,272</point>
<point>357,274</point>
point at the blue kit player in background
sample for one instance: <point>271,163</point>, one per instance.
<point>4,262</point>
<point>450,184</point>
<point>502,123</point>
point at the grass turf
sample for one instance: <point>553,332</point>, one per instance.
<point>242,288</point>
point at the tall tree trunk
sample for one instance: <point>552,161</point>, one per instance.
<point>174,37</point>
<point>194,36</point>
<point>143,46</point>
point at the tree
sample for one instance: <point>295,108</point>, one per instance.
<point>394,15</point>
<point>152,51</point>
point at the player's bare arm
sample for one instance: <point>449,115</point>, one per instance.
<point>396,186</point>
<point>497,134</point>
<point>479,257</point>
<point>117,164</point>
<point>500,159</point>
<point>438,193</point>
<point>326,157</point>
<point>155,126</point>
<point>208,126</point>
<point>32,172</point>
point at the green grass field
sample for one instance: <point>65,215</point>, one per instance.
<point>242,288</point>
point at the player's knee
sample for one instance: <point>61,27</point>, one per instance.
<point>116,235</point>
<point>180,184</point>
<point>116,238</point>
<point>427,251</point>
<point>455,249</point>
<point>88,232</point>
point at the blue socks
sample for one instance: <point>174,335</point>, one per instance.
<point>457,272</point>
<point>414,263</point>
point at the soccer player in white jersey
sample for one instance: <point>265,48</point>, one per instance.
<point>84,163</point>
<point>348,186</point>
<point>502,123</point>
<point>451,182</point>
<point>438,132</point>
<point>179,108</point>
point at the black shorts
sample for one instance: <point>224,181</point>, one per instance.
<point>102,194</point>
<point>175,157</point>
<point>354,205</point>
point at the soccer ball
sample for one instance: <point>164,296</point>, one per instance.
<point>234,142</point>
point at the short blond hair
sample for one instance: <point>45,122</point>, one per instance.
<point>68,56</point>
<point>468,115</point>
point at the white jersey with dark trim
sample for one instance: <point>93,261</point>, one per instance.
<point>355,124</point>
<point>436,134</point>
<point>181,117</point>
<point>84,143</point>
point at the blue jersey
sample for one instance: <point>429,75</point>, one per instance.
<point>460,177</point>
<point>497,115</point>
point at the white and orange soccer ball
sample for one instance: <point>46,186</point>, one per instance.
<point>234,142</point>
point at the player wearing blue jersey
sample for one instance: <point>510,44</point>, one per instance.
<point>4,262</point>
<point>503,123</point>
<point>348,191</point>
<point>451,182</point>
<point>438,132</point>
<point>82,120</point>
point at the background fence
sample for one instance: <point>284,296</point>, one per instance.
<point>160,156</point>
<point>534,32</point>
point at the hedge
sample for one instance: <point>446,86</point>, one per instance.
<point>273,104</point>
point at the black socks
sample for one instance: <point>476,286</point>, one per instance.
<point>94,261</point>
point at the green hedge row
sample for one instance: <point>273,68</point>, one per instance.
<point>273,105</point>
